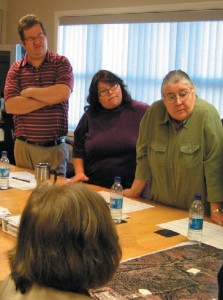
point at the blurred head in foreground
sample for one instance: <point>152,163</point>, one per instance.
<point>67,240</point>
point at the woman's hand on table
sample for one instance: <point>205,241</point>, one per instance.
<point>136,189</point>
<point>217,216</point>
<point>130,193</point>
<point>78,177</point>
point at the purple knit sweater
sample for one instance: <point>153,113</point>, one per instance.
<point>106,140</point>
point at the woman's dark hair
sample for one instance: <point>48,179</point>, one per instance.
<point>27,22</point>
<point>106,77</point>
<point>66,240</point>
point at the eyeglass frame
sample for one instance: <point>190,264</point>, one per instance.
<point>175,97</point>
<point>106,91</point>
<point>32,39</point>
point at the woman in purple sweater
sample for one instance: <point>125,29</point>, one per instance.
<point>105,138</point>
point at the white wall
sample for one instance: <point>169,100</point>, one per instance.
<point>3,8</point>
<point>47,9</point>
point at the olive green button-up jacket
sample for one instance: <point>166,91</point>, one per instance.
<point>181,162</point>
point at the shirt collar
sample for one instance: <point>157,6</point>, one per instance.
<point>168,119</point>
<point>25,60</point>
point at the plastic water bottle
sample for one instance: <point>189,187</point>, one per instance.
<point>116,200</point>
<point>4,171</point>
<point>196,216</point>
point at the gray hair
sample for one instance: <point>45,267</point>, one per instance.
<point>176,76</point>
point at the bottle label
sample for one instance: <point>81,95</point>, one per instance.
<point>4,172</point>
<point>195,224</point>
<point>116,203</point>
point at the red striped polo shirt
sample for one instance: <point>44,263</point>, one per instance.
<point>50,122</point>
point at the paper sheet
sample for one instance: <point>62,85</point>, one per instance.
<point>212,233</point>
<point>129,205</point>
<point>22,180</point>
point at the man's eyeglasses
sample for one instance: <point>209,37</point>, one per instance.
<point>105,92</point>
<point>172,98</point>
<point>32,39</point>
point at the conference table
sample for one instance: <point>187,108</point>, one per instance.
<point>138,235</point>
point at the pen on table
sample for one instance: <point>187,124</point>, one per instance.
<point>21,179</point>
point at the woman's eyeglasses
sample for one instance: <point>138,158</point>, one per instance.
<point>172,98</point>
<point>105,92</point>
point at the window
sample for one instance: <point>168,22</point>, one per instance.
<point>142,54</point>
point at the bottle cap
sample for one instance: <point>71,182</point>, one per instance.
<point>4,153</point>
<point>117,179</point>
<point>197,196</point>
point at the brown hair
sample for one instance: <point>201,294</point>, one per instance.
<point>66,240</point>
<point>29,21</point>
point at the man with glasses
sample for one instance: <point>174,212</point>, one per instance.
<point>36,92</point>
<point>180,149</point>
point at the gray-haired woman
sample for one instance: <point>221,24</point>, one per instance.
<point>180,149</point>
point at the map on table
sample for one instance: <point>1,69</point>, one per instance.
<point>185,272</point>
